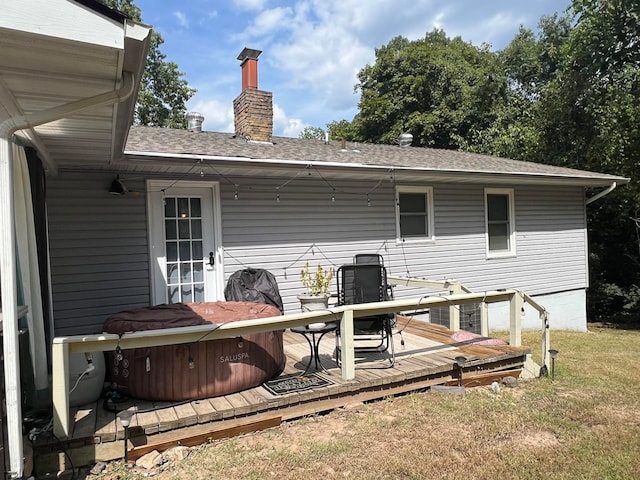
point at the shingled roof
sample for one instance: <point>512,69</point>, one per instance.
<point>156,142</point>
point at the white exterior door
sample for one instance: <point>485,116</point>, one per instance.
<point>185,248</point>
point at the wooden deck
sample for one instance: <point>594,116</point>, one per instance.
<point>427,358</point>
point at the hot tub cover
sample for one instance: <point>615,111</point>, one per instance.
<point>199,370</point>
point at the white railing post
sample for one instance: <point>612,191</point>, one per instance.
<point>60,389</point>
<point>347,351</point>
<point>484,319</point>
<point>516,303</point>
<point>454,310</point>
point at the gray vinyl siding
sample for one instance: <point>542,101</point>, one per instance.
<point>98,248</point>
<point>99,244</point>
<point>306,225</point>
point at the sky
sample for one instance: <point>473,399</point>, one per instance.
<point>312,50</point>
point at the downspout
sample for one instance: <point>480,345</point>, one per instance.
<point>8,253</point>
<point>604,192</point>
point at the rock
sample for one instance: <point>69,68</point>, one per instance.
<point>510,382</point>
<point>98,468</point>
<point>150,460</point>
<point>176,454</point>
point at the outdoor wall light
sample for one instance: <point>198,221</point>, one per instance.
<point>554,354</point>
<point>117,187</point>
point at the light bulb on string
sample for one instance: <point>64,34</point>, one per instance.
<point>235,194</point>
<point>368,201</point>
<point>277,198</point>
<point>333,196</point>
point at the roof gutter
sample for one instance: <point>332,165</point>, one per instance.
<point>8,253</point>
<point>604,192</point>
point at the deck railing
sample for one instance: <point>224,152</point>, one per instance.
<point>63,346</point>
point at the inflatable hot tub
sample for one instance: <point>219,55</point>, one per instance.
<point>198,370</point>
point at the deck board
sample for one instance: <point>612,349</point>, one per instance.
<point>427,358</point>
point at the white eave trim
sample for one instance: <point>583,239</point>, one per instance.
<point>472,176</point>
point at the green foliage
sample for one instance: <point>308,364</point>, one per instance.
<point>441,90</point>
<point>567,94</point>
<point>312,133</point>
<point>163,90</point>
<point>318,282</point>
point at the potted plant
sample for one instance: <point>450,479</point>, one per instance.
<point>317,284</point>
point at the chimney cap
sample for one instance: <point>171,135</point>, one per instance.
<point>248,53</point>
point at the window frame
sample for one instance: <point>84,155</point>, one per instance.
<point>511,238</point>
<point>428,192</point>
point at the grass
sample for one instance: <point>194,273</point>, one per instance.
<point>583,425</point>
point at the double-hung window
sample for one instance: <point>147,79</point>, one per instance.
<point>499,219</point>
<point>414,213</point>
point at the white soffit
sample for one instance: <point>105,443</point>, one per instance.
<point>61,19</point>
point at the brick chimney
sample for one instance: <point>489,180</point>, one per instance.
<point>253,108</point>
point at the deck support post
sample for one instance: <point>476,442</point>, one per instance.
<point>60,389</point>
<point>484,319</point>
<point>516,304</point>
<point>347,351</point>
<point>454,310</point>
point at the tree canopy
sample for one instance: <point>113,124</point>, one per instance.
<point>164,91</point>
<point>567,94</point>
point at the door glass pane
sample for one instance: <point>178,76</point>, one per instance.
<point>170,207</point>
<point>172,251</point>
<point>170,229</point>
<point>183,228</point>
<point>199,293</point>
<point>196,228</point>
<point>172,295</point>
<point>195,207</point>
<point>197,272</point>
<point>185,272</point>
<point>187,295</point>
<point>172,273</point>
<point>197,250</point>
<point>184,249</point>
<point>183,207</point>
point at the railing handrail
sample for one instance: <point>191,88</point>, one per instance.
<point>167,336</point>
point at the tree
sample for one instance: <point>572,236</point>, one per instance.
<point>163,90</point>
<point>583,76</point>
<point>441,90</point>
<point>312,133</point>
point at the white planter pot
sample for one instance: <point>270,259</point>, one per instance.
<point>309,303</point>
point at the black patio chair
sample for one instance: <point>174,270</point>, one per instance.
<point>366,283</point>
<point>373,259</point>
<point>368,259</point>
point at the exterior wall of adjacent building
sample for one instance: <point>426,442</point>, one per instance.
<point>100,255</point>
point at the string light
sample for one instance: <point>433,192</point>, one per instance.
<point>333,196</point>
<point>368,201</point>
<point>235,194</point>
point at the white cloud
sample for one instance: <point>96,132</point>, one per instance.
<point>283,126</point>
<point>182,19</point>
<point>218,116</point>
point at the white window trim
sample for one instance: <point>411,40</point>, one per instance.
<point>512,223</point>
<point>428,191</point>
